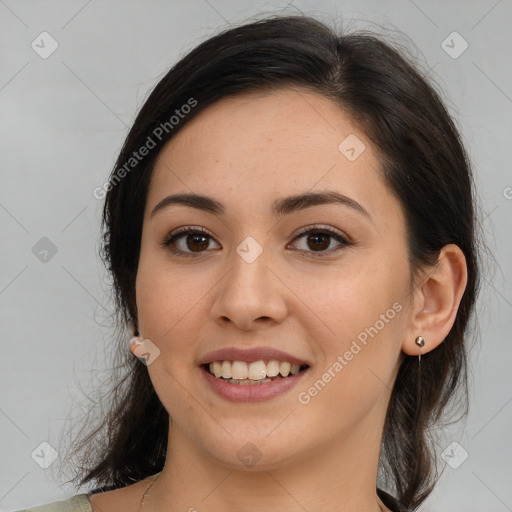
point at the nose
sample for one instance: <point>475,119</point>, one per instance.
<point>250,293</point>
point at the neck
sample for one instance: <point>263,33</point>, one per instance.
<point>339,476</point>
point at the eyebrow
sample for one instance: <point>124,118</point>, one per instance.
<point>280,207</point>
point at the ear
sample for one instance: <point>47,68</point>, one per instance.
<point>436,301</point>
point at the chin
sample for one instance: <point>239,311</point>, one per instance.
<point>254,451</point>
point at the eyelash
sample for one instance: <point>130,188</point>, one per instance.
<point>186,230</point>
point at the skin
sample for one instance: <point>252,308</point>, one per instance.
<point>245,152</point>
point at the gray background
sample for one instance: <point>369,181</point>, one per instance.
<point>63,121</point>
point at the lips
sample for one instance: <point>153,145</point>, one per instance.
<point>247,379</point>
<point>252,391</point>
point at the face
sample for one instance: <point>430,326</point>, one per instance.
<point>327,284</point>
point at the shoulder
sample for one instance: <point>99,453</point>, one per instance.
<point>78,503</point>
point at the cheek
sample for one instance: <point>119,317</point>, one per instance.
<point>358,363</point>
<point>153,296</point>
<point>165,306</point>
<point>364,316</point>
<point>171,307</point>
<point>162,302</point>
<point>352,299</point>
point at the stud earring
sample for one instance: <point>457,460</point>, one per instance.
<point>420,341</point>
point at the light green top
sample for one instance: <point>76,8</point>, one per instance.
<point>78,503</point>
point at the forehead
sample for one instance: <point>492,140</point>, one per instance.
<point>288,124</point>
<point>259,145</point>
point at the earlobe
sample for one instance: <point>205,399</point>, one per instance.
<point>437,301</point>
<point>137,347</point>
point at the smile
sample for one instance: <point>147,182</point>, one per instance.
<point>249,381</point>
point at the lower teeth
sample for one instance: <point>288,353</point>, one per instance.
<point>247,382</point>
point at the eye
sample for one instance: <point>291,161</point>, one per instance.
<point>195,239</point>
<point>319,239</point>
<point>188,240</point>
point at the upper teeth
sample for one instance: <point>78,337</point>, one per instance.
<point>256,370</point>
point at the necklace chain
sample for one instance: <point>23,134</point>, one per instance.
<point>146,492</point>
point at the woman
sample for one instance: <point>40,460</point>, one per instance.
<point>290,230</point>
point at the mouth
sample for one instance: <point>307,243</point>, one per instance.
<point>253,373</point>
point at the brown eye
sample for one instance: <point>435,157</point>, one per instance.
<point>196,243</point>
<point>187,241</point>
<point>318,240</point>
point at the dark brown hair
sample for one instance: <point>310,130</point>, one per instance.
<point>424,164</point>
